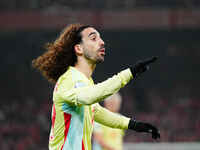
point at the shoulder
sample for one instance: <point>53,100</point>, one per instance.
<point>65,78</point>
<point>73,75</point>
<point>72,79</point>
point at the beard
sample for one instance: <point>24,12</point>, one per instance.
<point>93,57</point>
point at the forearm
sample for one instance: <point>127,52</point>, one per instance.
<point>92,94</point>
<point>110,119</point>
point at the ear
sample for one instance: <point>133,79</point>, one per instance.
<point>78,49</point>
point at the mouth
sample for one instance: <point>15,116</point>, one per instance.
<point>102,51</point>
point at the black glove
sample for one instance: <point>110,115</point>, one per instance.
<point>144,127</point>
<point>142,66</point>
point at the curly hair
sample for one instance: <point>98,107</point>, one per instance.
<point>60,54</point>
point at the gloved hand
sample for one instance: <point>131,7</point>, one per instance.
<point>144,127</point>
<point>142,66</point>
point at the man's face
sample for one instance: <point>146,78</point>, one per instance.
<point>92,45</point>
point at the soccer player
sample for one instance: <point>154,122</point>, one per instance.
<point>104,137</point>
<point>69,63</point>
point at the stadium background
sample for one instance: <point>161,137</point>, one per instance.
<point>167,95</point>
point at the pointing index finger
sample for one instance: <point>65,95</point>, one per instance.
<point>149,60</point>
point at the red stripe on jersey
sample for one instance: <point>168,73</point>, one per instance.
<point>53,122</point>
<point>93,110</point>
<point>67,118</point>
<point>53,116</point>
<point>83,148</point>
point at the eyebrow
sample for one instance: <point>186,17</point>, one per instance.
<point>92,34</point>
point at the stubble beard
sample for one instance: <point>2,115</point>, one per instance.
<point>94,59</point>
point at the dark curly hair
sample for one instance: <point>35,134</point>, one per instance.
<point>60,54</point>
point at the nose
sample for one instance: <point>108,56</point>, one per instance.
<point>102,42</point>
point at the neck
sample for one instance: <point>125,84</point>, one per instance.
<point>85,66</point>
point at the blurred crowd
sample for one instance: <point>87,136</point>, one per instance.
<point>25,124</point>
<point>175,115</point>
<point>91,4</point>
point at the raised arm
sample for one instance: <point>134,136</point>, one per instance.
<point>88,95</point>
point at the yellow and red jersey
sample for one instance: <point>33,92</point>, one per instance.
<point>75,107</point>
